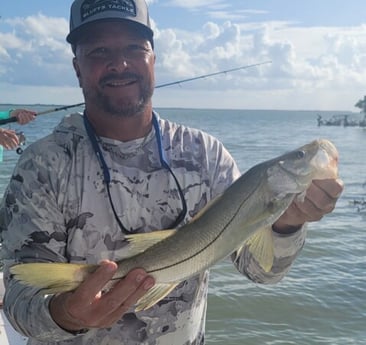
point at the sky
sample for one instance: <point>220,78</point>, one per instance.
<point>308,55</point>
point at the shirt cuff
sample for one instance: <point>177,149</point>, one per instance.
<point>288,245</point>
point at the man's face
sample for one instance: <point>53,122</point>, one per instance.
<point>115,68</point>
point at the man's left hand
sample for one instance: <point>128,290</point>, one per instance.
<point>320,199</point>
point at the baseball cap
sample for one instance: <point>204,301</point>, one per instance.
<point>84,12</point>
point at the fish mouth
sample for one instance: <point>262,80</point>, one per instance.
<point>326,160</point>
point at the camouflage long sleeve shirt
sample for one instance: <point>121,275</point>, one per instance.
<point>56,208</point>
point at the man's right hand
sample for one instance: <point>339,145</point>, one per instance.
<point>87,307</point>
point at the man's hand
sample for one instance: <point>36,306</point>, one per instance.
<point>320,199</point>
<point>23,116</point>
<point>88,307</point>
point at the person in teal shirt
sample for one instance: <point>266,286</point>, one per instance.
<point>8,137</point>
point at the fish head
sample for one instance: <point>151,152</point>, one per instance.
<point>293,172</point>
<point>325,160</point>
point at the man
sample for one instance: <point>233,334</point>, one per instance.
<point>118,169</point>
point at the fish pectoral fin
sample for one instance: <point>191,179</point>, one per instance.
<point>52,277</point>
<point>154,295</point>
<point>260,245</point>
<point>138,243</point>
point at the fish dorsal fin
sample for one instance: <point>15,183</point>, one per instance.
<point>260,245</point>
<point>154,295</point>
<point>138,243</point>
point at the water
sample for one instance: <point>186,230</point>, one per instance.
<point>323,298</point>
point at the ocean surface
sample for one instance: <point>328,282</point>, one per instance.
<point>323,298</point>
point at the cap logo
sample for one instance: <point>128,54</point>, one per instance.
<point>92,7</point>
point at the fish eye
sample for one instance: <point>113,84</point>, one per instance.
<point>300,154</point>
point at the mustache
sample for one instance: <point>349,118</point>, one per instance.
<point>119,76</point>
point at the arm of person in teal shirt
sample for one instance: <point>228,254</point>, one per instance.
<point>5,114</point>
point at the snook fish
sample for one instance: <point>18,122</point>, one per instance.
<point>242,215</point>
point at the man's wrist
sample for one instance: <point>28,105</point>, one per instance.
<point>63,318</point>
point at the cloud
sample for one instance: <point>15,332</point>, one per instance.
<point>333,56</point>
<point>306,61</point>
<point>197,4</point>
<point>212,48</point>
<point>217,9</point>
<point>34,52</point>
<point>237,15</point>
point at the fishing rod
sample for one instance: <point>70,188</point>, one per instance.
<point>48,111</point>
<point>211,74</point>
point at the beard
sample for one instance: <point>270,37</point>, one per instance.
<point>122,107</point>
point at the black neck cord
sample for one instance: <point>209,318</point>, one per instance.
<point>107,177</point>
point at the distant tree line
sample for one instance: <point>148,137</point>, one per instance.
<point>361,104</point>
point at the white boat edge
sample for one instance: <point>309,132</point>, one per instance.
<point>8,336</point>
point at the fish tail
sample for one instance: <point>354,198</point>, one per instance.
<point>52,277</point>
